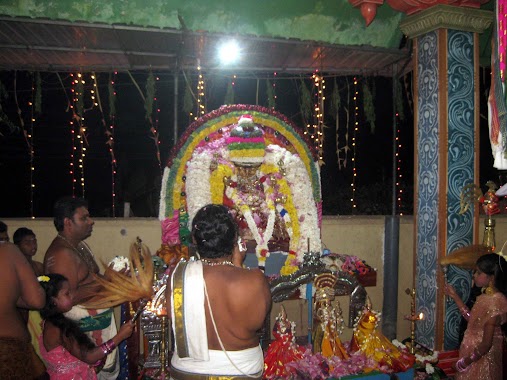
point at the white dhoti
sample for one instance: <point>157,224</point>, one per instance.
<point>100,326</point>
<point>191,355</point>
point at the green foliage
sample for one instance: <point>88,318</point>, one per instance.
<point>112,97</point>
<point>368,106</point>
<point>229,95</point>
<point>335,101</point>
<point>306,102</point>
<point>188,99</point>
<point>270,93</point>
<point>4,119</point>
<point>150,95</point>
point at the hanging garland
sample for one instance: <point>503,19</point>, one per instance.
<point>368,107</point>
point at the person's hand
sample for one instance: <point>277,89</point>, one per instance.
<point>450,291</point>
<point>126,330</point>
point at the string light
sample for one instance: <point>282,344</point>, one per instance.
<point>201,107</point>
<point>30,137</point>
<point>110,141</point>
<point>399,176</point>
<point>354,135</point>
<point>73,135</point>
<point>318,113</point>
<point>274,88</point>
<point>155,129</point>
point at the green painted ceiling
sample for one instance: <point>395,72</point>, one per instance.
<point>328,21</point>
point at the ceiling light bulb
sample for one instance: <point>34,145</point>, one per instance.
<point>229,52</point>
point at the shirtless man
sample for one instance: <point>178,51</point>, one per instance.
<point>70,256</point>
<point>18,288</point>
<point>239,300</point>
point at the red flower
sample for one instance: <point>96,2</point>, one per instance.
<point>264,252</point>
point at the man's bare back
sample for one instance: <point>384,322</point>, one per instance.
<point>18,288</point>
<point>240,300</point>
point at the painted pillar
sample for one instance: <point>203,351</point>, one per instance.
<point>446,91</point>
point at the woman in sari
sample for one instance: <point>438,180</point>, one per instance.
<point>481,349</point>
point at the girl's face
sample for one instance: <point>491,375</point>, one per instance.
<point>63,300</point>
<point>481,279</point>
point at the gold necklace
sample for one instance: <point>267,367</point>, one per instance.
<point>84,254</point>
<point>215,263</point>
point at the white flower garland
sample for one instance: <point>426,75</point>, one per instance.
<point>163,195</point>
<point>198,193</point>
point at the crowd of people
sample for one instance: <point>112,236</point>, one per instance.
<point>215,304</point>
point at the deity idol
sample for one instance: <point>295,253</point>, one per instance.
<point>254,161</point>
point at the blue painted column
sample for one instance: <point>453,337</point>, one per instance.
<point>446,157</point>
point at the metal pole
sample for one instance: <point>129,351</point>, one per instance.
<point>391,248</point>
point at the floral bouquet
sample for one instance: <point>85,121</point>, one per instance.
<point>425,362</point>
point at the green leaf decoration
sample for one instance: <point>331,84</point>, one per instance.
<point>270,92</point>
<point>38,93</point>
<point>229,94</point>
<point>368,107</point>
<point>150,95</point>
<point>306,102</point>
<point>112,97</point>
<point>188,99</point>
<point>4,119</point>
<point>398,101</point>
<point>335,100</point>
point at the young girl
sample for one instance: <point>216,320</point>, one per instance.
<point>68,352</point>
<point>481,349</point>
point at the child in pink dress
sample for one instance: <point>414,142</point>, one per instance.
<point>68,352</point>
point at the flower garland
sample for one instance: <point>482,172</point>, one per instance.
<point>261,250</point>
<point>197,181</point>
<point>217,184</point>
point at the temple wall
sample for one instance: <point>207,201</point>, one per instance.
<point>362,236</point>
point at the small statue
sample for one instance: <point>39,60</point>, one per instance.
<point>374,344</point>
<point>328,319</point>
<point>283,349</point>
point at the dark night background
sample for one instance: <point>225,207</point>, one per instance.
<point>138,172</point>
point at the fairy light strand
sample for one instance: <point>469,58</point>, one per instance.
<point>72,135</point>
<point>155,129</point>
<point>318,126</point>
<point>399,174</point>
<point>110,142</point>
<point>354,145</point>
<point>30,137</point>
<point>201,107</point>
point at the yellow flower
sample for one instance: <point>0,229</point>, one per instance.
<point>43,278</point>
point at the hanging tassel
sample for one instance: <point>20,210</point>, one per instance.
<point>229,95</point>
<point>306,102</point>
<point>368,106</point>
<point>188,100</point>
<point>150,95</point>
<point>270,92</point>
<point>399,100</point>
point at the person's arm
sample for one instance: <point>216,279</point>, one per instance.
<point>94,355</point>
<point>63,261</point>
<point>32,295</point>
<point>483,347</point>
<point>463,309</point>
